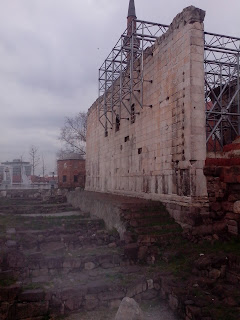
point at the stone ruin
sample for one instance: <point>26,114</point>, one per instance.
<point>157,132</point>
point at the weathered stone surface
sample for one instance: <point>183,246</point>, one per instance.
<point>214,274</point>
<point>129,310</point>
<point>55,305</point>
<point>89,266</point>
<point>137,289</point>
<point>111,295</point>
<point>32,296</point>
<point>15,259</point>
<point>91,304</point>
<point>173,302</point>
<point>112,245</point>
<point>30,310</point>
<point>131,251</point>
<point>11,231</point>
<point>8,294</point>
<point>150,284</point>
<point>236,207</point>
<point>142,252</point>
<point>11,243</point>
<point>73,303</point>
<point>149,294</point>
<point>7,311</point>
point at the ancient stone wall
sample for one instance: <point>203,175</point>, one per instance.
<point>161,155</point>
<point>223,184</point>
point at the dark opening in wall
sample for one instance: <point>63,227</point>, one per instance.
<point>139,150</point>
<point>117,122</point>
<point>126,138</point>
<point>75,178</point>
<point>106,133</point>
<point>64,178</point>
<point>133,115</point>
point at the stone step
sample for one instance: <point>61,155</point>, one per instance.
<point>152,230</point>
<point>30,265</point>
<point>62,241</point>
<point>157,239</point>
<point>33,210</point>
<point>46,224</point>
<point>70,297</point>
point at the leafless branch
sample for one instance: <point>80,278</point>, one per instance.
<point>73,133</point>
<point>34,157</point>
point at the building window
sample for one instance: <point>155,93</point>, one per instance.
<point>75,178</point>
<point>139,150</point>
<point>126,138</point>
<point>117,122</point>
<point>64,179</point>
<point>133,116</point>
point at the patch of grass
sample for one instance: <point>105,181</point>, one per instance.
<point>113,232</point>
<point>179,264</point>
<point>231,246</point>
<point>7,282</point>
<point>120,279</point>
<point>33,286</point>
<point>114,277</point>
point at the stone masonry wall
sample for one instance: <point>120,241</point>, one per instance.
<point>160,156</point>
<point>223,184</point>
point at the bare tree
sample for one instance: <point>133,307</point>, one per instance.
<point>43,166</point>
<point>73,134</point>
<point>34,157</point>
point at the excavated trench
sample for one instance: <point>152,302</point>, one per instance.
<point>57,262</point>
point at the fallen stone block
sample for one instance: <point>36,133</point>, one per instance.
<point>129,310</point>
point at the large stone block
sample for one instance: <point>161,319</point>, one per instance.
<point>129,310</point>
<point>236,207</point>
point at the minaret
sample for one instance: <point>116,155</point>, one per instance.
<point>131,16</point>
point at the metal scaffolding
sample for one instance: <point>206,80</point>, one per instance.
<point>121,75</point>
<point>222,97</point>
<point>121,80</point>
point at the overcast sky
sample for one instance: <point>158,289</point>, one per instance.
<point>50,52</point>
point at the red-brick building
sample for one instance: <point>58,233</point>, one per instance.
<point>71,171</point>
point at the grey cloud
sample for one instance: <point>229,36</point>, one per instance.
<point>50,54</point>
